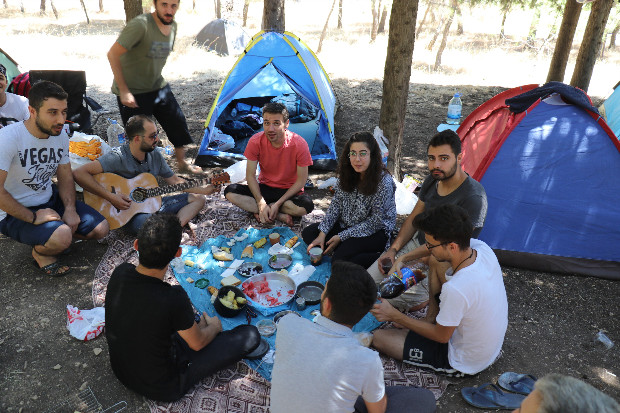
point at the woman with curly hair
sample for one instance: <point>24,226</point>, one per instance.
<point>359,222</point>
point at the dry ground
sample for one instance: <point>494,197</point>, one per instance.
<point>553,318</point>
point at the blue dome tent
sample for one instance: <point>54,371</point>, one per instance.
<point>274,67</point>
<point>548,162</point>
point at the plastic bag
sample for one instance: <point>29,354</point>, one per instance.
<point>237,171</point>
<point>333,181</point>
<point>405,200</point>
<point>85,324</point>
<point>219,141</point>
<point>383,142</point>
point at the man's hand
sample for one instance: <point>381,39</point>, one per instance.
<point>210,322</point>
<point>120,201</point>
<point>263,212</point>
<point>384,311</point>
<point>128,99</point>
<point>46,215</point>
<point>72,219</point>
<point>332,243</point>
<point>389,254</point>
<point>273,211</point>
<point>318,241</point>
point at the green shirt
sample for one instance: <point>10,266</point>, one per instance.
<point>147,52</point>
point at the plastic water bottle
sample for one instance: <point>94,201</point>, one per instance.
<point>393,286</point>
<point>115,134</point>
<point>454,110</point>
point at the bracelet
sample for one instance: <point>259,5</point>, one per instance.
<point>34,217</point>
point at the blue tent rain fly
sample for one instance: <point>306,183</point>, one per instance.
<point>274,67</point>
<point>610,110</point>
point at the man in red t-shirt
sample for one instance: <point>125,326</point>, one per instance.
<point>284,158</point>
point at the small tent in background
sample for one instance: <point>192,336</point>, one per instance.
<point>610,109</point>
<point>12,68</point>
<point>275,67</point>
<point>223,37</point>
<point>548,162</point>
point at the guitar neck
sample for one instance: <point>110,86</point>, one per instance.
<point>162,190</point>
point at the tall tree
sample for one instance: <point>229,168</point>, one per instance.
<point>382,20</point>
<point>100,6</point>
<point>376,9</point>
<point>396,75</point>
<point>218,8</point>
<point>246,7</point>
<point>339,14</point>
<point>133,8</point>
<point>318,50</point>
<point>614,33</point>
<point>570,18</point>
<point>419,28</point>
<point>446,32</point>
<point>591,44</point>
<point>273,15</point>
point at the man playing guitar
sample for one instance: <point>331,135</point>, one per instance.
<point>129,161</point>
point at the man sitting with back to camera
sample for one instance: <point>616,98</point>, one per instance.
<point>134,158</point>
<point>284,158</point>
<point>320,366</point>
<point>156,347</point>
<point>468,333</point>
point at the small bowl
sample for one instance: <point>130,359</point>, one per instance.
<point>222,309</point>
<point>249,269</point>
<point>280,261</point>
<point>281,314</point>
<point>266,327</point>
<point>310,291</point>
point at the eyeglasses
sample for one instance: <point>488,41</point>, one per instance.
<point>360,154</point>
<point>152,136</point>
<point>430,246</point>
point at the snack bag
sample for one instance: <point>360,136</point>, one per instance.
<point>85,324</point>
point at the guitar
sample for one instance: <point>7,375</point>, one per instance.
<point>144,192</point>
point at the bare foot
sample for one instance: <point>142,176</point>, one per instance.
<point>286,219</point>
<point>45,260</point>
<point>187,168</point>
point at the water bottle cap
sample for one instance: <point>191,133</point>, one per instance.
<point>457,95</point>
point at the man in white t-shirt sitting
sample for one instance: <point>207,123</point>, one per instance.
<point>13,108</point>
<point>468,333</point>
<point>321,367</point>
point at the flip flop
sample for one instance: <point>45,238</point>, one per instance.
<point>490,396</point>
<point>53,269</point>
<point>517,383</point>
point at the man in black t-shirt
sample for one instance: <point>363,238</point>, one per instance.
<point>447,183</point>
<point>156,347</point>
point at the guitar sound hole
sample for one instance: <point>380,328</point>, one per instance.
<point>138,195</point>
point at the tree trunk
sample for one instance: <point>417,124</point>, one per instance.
<point>133,8</point>
<point>54,9</point>
<point>193,4</point>
<point>318,50</point>
<point>42,7</point>
<point>273,15</point>
<point>218,8</point>
<point>438,27</point>
<point>396,77</point>
<point>614,33</point>
<point>446,32</point>
<point>381,28</point>
<point>459,20</point>
<point>534,23</point>
<point>246,7</point>
<point>375,19</point>
<point>505,11</point>
<point>339,14</point>
<point>100,6</point>
<point>6,4</point>
<point>591,44</point>
<point>419,29</point>
<point>564,43</point>
<point>85,12</point>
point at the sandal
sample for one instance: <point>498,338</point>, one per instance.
<point>54,269</point>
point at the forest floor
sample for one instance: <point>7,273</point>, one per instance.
<point>553,319</point>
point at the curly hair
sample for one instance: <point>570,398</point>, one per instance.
<point>349,180</point>
<point>158,240</point>
<point>446,223</point>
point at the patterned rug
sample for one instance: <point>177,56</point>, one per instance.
<point>239,388</point>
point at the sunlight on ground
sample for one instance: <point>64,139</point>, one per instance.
<point>479,57</point>
<point>607,377</point>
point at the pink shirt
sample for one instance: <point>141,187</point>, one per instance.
<point>278,166</point>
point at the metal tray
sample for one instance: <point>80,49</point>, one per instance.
<point>278,283</point>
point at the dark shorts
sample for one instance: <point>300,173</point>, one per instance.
<point>169,205</point>
<point>164,107</point>
<point>271,195</point>
<point>423,352</point>
<point>31,234</point>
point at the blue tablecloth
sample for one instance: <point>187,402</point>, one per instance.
<point>203,258</point>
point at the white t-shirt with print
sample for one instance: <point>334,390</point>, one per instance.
<point>15,107</point>
<point>30,163</point>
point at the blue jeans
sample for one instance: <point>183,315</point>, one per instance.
<point>169,205</point>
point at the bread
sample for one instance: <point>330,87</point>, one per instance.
<point>223,256</point>
<point>248,252</point>
<point>230,280</point>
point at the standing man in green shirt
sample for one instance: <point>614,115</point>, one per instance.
<point>137,59</point>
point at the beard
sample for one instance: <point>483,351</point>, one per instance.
<point>164,22</point>
<point>47,130</point>
<point>446,175</point>
<point>145,147</point>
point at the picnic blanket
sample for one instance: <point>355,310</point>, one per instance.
<point>238,388</point>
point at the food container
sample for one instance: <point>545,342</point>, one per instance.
<point>269,289</point>
<point>279,261</point>
<point>310,291</point>
<point>274,238</point>
<point>249,269</point>
<point>281,314</point>
<point>316,254</point>
<point>266,327</point>
<point>221,308</point>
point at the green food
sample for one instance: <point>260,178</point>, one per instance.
<point>202,283</point>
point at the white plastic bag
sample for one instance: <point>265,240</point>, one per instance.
<point>219,141</point>
<point>405,200</point>
<point>383,143</point>
<point>85,324</point>
<point>237,171</point>
<point>327,183</point>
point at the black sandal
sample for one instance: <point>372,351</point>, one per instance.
<point>53,269</point>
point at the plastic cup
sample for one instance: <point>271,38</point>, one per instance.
<point>316,254</point>
<point>274,238</point>
<point>386,265</point>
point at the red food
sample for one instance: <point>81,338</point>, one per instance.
<point>279,293</point>
<point>291,292</point>
<point>264,288</point>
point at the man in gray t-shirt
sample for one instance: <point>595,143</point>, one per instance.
<point>132,159</point>
<point>446,184</point>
